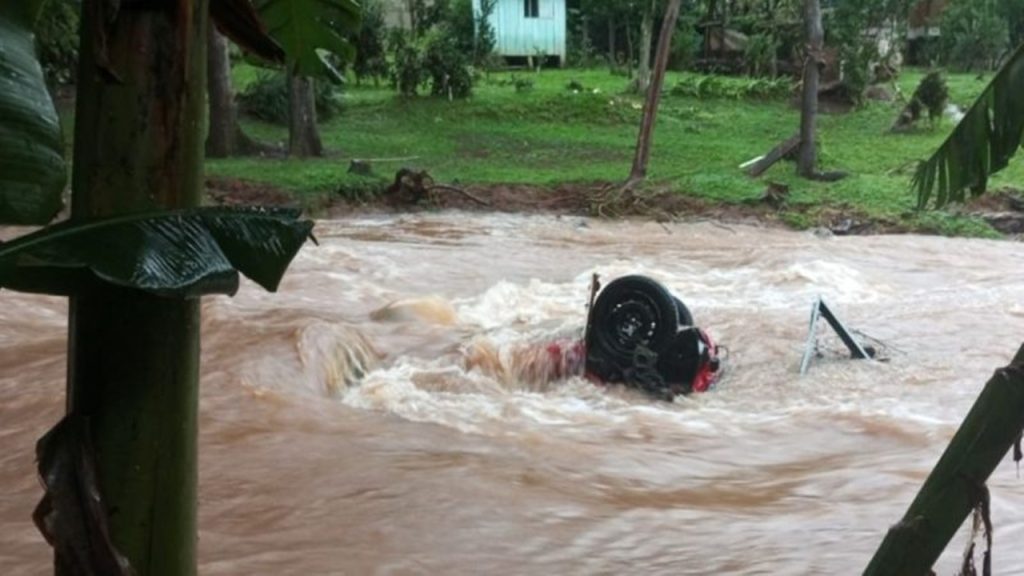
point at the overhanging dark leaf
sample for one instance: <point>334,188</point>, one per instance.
<point>72,516</point>
<point>183,253</point>
<point>32,170</point>
<point>237,19</point>
<point>304,27</point>
<point>982,144</point>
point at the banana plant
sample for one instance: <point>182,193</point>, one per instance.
<point>982,144</point>
<point>306,29</point>
<point>32,169</point>
<point>134,258</point>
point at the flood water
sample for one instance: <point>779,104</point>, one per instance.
<point>444,460</point>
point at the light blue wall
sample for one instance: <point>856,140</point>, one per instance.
<point>521,36</point>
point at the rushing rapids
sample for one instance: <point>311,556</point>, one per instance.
<point>382,414</point>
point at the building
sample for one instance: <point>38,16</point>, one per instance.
<point>924,19</point>
<point>528,28</point>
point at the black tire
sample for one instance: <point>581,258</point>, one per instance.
<point>631,311</point>
<point>685,318</point>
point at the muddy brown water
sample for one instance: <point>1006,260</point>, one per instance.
<point>427,467</point>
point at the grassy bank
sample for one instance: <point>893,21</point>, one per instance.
<point>548,134</point>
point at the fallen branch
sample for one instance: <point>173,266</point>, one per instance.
<point>465,193</point>
<point>785,148</point>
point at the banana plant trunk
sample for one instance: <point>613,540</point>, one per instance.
<point>303,134</point>
<point>133,359</point>
<point>225,136</point>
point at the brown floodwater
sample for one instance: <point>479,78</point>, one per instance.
<point>444,459</point>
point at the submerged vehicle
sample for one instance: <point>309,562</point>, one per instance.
<point>640,335</point>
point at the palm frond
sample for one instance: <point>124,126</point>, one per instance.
<point>981,144</point>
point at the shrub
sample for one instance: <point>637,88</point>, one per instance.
<point>486,40</point>
<point>446,65</point>
<point>407,69</point>
<point>973,34</point>
<point>267,98</point>
<point>57,41</point>
<point>686,42</point>
<point>760,54</point>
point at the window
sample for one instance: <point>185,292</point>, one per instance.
<point>531,8</point>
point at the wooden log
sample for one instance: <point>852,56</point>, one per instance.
<point>954,487</point>
<point>785,148</point>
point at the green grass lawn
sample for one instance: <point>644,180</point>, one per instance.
<point>548,134</point>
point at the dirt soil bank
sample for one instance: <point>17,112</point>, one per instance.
<point>1004,210</point>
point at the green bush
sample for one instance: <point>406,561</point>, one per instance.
<point>760,54</point>
<point>57,41</point>
<point>407,68</point>
<point>446,64</point>
<point>267,99</point>
<point>486,40</point>
<point>974,35</point>
<point>686,42</point>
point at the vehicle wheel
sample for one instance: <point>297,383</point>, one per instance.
<point>685,318</point>
<point>631,311</point>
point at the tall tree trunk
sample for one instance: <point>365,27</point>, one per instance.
<point>225,136</point>
<point>613,59</point>
<point>808,160</point>
<point>133,359</point>
<point>643,77</point>
<point>643,144</point>
<point>630,53</point>
<point>303,134</point>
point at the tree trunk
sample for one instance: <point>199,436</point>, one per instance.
<point>643,78</point>
<point>957,483</point>
<point>630,54</point>
<point>613,59</point>
<point>133,359</point>
<point>643,144</point>
<point>807,164</point>
<point>303,134</point>
<point>225,136</point>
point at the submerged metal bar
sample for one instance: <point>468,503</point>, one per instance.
<point>821,309</point>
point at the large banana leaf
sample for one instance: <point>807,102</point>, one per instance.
<point>304,27</point>
<point>237,19</point>
<point>32,170</point>
<point>981,144</point>
<point>185,253</point>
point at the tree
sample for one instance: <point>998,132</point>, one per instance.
<point>225,136</point>
<point>982,144</point>
<point>304,28</point>
<point>808,159</point>
<point>120,468</point>
<point>643,146</point>
<point>643,76</point>
<point>303,133</point>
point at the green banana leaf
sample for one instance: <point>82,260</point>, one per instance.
<point>982,143</point>
<point>32,169</point>
<point>187,253</point>
<point>305,27</point>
